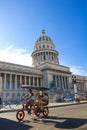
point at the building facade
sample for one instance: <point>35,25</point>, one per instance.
<point>46,71</point>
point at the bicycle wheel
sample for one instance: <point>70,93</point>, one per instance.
<point>45,111</point>
<point>20,115</point>
<point>37,110</point>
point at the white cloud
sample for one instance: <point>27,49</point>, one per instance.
<point>16,55</point>
<point>78,70</point>
<point>20,56</point>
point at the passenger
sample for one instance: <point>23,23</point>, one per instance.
<point>38,98</point>
<point>45,99</point>
<point>42,99</point>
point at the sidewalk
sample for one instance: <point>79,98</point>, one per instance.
<point>15,108</point>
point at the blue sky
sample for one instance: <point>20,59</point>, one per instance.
<point>65,21</point>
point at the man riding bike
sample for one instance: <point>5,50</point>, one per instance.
<point>29,100</point>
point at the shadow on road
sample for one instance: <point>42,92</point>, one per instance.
<point>6,124</point>
<point>62,122</point>
<point>70,123</point>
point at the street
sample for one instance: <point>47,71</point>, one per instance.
<point>72,117</point>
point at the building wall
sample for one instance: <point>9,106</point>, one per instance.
<point>11,83</point>
<point>0,86</point>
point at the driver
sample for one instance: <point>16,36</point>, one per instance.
<point>29,100</point>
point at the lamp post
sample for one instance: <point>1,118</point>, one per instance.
<point>75,86</point>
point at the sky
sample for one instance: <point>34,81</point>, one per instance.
<point>64,21</point>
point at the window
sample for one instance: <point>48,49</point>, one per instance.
<point>43,38</point>
<point>23,79</point>
<point>31,80</point>
<point>18,81</point>
<point>39,82</point>
<point>8,81</point>
<point>46,38</point>
<point>39,39</point>
<point>54,78</point>
<point>13,81</point>
<point>44,56</point>
<point>39,46</point>
<point>35,81</point>
<point>43,46</point>
<point>27,80</point>
<point>49,39</point>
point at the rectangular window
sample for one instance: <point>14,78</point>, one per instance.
<point>35,81</point>
<point>18,81</point>
<point>31,80</point>
<point>39,82</point>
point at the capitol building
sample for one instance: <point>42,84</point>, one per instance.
<point>46,71</point>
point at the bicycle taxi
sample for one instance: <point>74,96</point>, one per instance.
<point>37,106</point>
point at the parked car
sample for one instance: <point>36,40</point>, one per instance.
<point>68,99</point>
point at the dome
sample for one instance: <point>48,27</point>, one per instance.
<point>44,51</point>
<point>44,40</point>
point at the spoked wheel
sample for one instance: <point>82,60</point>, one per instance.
<point>37,110</point>
<point>20,115</point>
<point>45,111</point>
<point>32,109</point>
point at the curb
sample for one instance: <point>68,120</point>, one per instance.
<point>76,103</point>
<point>53,106</point>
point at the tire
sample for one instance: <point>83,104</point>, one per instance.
<point>37,111</point>
<point>33,109</point>
<point>45,111</point>
<point>20,115</point>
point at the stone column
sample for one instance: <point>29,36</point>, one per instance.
<point>59,81</point>
<point>41,83</point>
<point>65,82</point>
<point>10,81</point>
<point>56,80</point>
<point>40,57</point>
<point>50,55</point>
<point>69,82</point>
<point>5,81</point>
<point>0,86</point>
<point>62,83</point>
<point>37,57</point>
<point>15,82</point>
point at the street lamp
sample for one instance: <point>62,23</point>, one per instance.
<point>75,86</point>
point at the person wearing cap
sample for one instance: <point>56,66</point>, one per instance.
<point>29,100</point>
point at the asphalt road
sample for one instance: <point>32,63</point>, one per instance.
<point>60,118</point>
